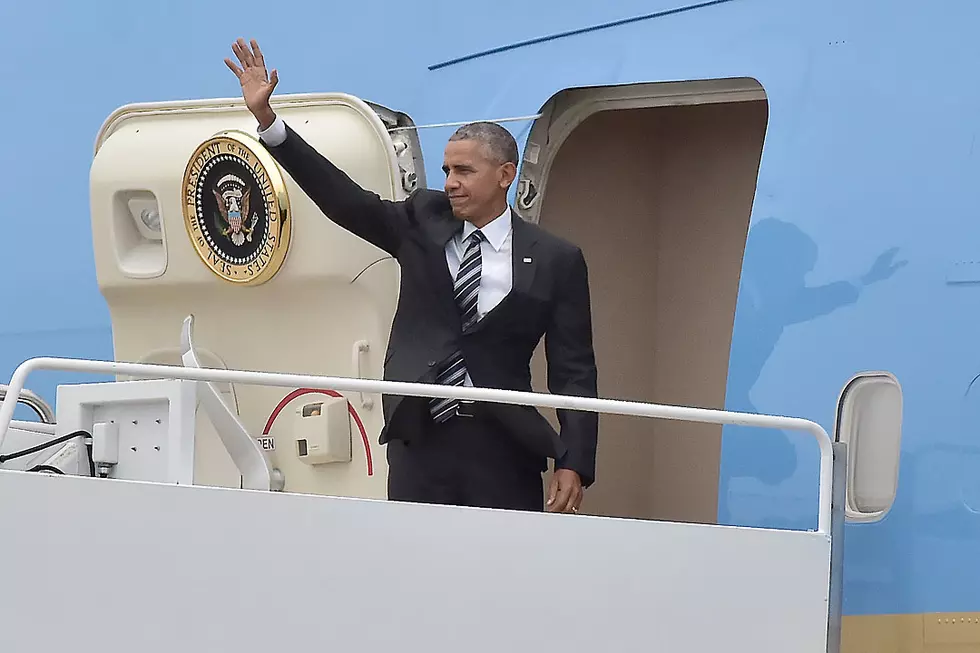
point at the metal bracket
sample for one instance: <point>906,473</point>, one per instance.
<point>362,347</point>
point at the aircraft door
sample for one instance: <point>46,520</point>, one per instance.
<point>192,216</point>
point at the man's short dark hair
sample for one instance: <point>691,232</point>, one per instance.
<point>499,142</point>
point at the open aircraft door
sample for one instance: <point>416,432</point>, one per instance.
<point>188,565</point>
<point>191,216</point>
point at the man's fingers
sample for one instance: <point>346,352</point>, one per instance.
<point>552,490</point>
<point>245,53</point>
<point>235,69</point>
<point>238,54</point>
<point>561,500</point>
<point>259,59</point>
<point>274,79</point>
<point>576,501</point>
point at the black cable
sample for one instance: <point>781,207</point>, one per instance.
<point>91,458</point>
<point>43,446</point>
<point>45,468</point>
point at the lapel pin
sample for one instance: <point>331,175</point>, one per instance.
<point>527,259</point>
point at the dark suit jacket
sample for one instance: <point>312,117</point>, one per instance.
<point>550,298</point>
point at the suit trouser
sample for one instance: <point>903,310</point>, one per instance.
<point>465,461</point>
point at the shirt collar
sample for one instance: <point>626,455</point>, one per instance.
<point>495,231</point>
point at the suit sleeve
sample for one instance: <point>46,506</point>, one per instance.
<point>363,213</point>
<point>572,367</point>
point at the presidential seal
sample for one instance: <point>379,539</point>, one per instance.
<point>235,208</point>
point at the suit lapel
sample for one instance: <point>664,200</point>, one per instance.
<point>438,232</point>
<point>523,263</point>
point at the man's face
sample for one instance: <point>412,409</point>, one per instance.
<point>475,183</point>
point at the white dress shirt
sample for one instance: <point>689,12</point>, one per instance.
<point>275,134</point>
<point>496,275</point>
<point>496,249</point>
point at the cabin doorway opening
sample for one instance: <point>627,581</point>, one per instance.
<point>656,183</point>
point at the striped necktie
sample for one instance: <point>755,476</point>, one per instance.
<point>467,290</point>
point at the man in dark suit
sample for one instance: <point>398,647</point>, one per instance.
<point>479,289</point>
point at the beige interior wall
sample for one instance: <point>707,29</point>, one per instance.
<point>659,199</point>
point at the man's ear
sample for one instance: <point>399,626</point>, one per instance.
<point>506,174</point>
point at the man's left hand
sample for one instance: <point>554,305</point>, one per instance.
<point>564,491</point>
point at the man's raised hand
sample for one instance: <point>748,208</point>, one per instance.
<point>257,83</point>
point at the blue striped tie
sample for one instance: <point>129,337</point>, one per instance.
<point>467,289</point>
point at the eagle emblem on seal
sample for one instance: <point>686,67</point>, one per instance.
<point>232,195</point>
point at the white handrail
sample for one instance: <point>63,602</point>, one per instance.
<point>618,407</point>
<point>32,401</point>
<point>41,428</point>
